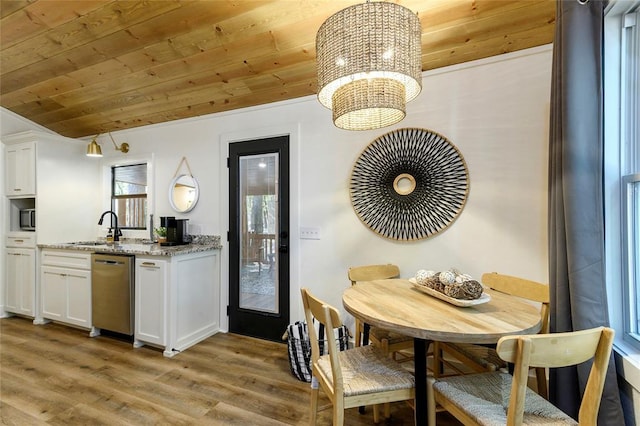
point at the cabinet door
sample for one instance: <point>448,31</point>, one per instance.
<point>21,169</point>
<point>53,284</point>
<point>20,281</point>
<point>28,287</point>
<point>13,279</point>
<point>78,298</point>
<point>150,325</point>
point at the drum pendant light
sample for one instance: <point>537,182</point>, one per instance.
<point>369,64</point>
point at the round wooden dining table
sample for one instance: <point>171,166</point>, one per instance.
<point>398,305</point>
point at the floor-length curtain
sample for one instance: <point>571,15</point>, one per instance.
<point>576,215</point>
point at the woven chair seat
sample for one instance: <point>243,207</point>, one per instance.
<point>380,334</point>
<point>485,397</point>
<point>486,357</point>
<point>366,369</point>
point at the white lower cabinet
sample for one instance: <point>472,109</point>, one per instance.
<point>177,300</point>
<point>65,281</point>
<point>150,289</point>
<point>20,281</point>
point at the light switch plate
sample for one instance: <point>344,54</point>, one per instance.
<point>310,233</point>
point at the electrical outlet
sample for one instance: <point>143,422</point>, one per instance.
<point>309,233</point>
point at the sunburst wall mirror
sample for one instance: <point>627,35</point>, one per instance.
<point>409,184</point>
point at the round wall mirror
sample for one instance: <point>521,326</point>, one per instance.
<point>183,193</point>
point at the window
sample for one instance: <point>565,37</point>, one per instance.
<point>630,172</point>
<point>129,195</point>
<point>622,170</point>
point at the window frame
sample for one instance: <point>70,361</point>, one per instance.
<point>115,197</point>
<point>622,145</point>
<point>106,164</point>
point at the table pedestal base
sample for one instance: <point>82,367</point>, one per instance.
<point>420,367</point>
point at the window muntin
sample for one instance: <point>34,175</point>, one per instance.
<point>129,195</point>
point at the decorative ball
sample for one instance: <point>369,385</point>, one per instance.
<point>422,276</point>
<point>468,290</point>
<point>447,277</point>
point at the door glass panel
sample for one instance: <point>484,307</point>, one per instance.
<point>258,230</point>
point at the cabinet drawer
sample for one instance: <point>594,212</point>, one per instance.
<point>67,259</point>
<point>28,240</point>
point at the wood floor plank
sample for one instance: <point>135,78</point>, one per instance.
<point>225,414</point>
<point>188,402</point>
<point>123,408</point>
<point>11,416</point>
<point>245,398</point>
<point>35,401</point>
<point>84,414</point>
<point>57,375</point>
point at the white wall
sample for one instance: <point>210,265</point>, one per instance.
<point>495,111</point>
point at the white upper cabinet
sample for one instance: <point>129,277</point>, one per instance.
<point>20,164</point>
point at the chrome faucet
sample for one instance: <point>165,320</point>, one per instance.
<point>117,233</point>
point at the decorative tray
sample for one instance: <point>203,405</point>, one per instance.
<point>457,302</point>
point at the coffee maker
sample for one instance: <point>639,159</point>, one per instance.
<point>177,233</point>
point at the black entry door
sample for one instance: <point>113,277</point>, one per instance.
<point>259,237</point>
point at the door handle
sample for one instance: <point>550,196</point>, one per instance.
<point>283,248</point>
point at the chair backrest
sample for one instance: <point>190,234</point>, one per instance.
<point>526,289</point>
<point>553,351</point>
<point>330,318</point>
<point>373,272</point>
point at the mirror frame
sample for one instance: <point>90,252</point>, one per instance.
<point>174,181</point>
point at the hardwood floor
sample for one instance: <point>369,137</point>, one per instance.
<point>54,375</point>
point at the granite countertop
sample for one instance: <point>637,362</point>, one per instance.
<point>199,243</point>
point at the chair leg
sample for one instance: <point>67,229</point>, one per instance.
<point>338,414</point>
<point>438,365</point>
<point>541,381</point>
<point>384,346</point>
<point>314,402</point>
<point>431,403</point>
<point>358,332</point>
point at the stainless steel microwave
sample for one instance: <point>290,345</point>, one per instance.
<point>28,219</point>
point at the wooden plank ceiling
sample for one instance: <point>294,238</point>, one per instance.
<point>92,66</point>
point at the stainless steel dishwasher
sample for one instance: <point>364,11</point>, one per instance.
<point>112,292</point>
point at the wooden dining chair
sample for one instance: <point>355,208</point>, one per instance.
<point>481,399</point>
<point>390,342</point>
<point>479,358</point>
<point>355,377</point>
